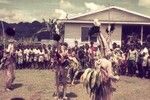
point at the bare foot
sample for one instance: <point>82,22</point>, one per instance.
<point>8,90</point>
<point>65,98</point>
<point>72,83</point>
<point>56,98</point>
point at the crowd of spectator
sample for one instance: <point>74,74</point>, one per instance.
<point>136,60</point>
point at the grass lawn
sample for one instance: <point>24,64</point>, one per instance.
<point>39,85</point>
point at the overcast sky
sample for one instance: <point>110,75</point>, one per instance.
<point>30,10</point>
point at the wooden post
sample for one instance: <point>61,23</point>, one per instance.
<point>57,80</point>
<point>142,35</point>
<point>102,45</point>
<point>57,71</point>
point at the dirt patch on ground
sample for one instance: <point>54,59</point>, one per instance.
<point>39,85</point>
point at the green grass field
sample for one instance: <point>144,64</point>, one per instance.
<point>39,85</point>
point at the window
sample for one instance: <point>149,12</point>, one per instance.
<point>93,38</point>
<point>85,36</point>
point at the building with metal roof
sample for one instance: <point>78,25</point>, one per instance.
<point>127,23</point>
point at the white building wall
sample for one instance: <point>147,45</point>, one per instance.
<point>73,32</point>
<point>116,35</point>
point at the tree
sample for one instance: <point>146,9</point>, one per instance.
<point>55,27</point>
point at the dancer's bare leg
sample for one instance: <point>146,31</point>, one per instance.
<point>8,81</point>
<point>64,90</point>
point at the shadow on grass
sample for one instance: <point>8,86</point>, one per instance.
<point>17,98</point>
<point>71,95</point>
<point>16,85</point>
<point>113,89</point>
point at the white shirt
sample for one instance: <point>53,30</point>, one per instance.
<point>36,51</point>
<point>41,57</point>
<point>10,48</point>
<point>26,51</point>
<point>20,52</point>
<point>145,50</point>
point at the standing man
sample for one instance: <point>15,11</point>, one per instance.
<point>92,52</point>
<point>76,48</point>
<point>145,54</point>
<point>132,59</point>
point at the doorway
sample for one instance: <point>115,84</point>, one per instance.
<point>130,34</point>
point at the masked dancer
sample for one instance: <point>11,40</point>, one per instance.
<point>9,59</point>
